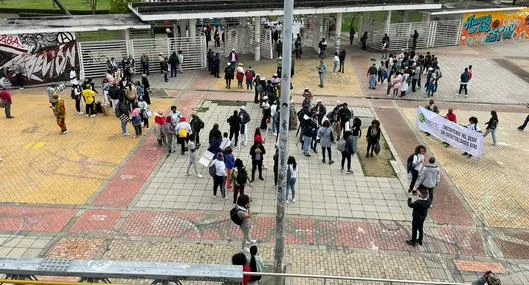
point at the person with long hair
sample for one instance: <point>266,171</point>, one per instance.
<point>347,152</point>
<point>292,174</point>
<point>326,140</point>
<point>256,265</point>
<point>372,137</point>
<point>417,165</point>
<point>492,124</point>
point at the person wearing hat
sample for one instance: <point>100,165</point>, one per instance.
<point>233,57</point>
<point>244,119</point>
<point>240,75</point>
<point>229,73</point>
<point>6,100</point>
<point>250,74</point>
<point>59,110</point>
<point>219,179</point>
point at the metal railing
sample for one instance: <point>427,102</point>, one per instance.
<point>330,279</point>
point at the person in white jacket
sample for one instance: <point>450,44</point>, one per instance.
<point>429,178</point>
<point>183,130</point>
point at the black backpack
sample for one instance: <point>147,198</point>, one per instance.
<point>235,217</point>
<point>409,163</point>
<point>242,176</point>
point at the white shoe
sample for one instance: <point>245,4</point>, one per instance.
<point>92,115</point>
<point>80,113</point>
<point>126,134</point>
<point>288,202</point>
<point>199,176</point>
<point>226,198</point>
<point>294,200</point>
<point>251,241</point>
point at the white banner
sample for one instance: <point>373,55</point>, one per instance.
<point>456,135</point>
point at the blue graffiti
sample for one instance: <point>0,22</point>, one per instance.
<point>502,33</point>
<point>478,25</point>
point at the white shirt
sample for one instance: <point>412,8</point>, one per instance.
<point>233,56</point>
<point>474,127</point>
<point>220,167</point>
<point>293,172</point>
<point>175,117</point>
<point>336,58</point>
<point>418,160</point>
<point>73,77</point>
<point>183,125</point>
<point>226,142</point>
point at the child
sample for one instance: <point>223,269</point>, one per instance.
<point>226,142</point>
<point>192,156</point>
<point>159,121</point>
<point>229,161</point>
<point>136,119</point>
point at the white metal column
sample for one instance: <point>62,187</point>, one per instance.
<point>338,31</point>
<point>193,30</point>
<point>257,32</point>
<point>388,21</point>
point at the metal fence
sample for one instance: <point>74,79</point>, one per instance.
<point>93,55</point>
<point>265,41</point>
<point>431,34</point>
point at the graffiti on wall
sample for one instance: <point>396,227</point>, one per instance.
<point>495,27</point>
<point>45,57</point>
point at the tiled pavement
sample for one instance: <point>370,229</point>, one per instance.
<point>196,229</point>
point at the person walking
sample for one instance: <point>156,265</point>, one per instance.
<point>183,129</point>
<point>229,74</point>
<point>492,124</point>
<point>6,100</point>
<point>463,82</point>
<point>257,152</point>
<point>243,212</point>
<point>145,64</point>
<point>342,60</point>
<point>347,151</point>
<point>239,74</point>
<point>351,35</point>
<point>196,126</point>
<point>326,139</point>
<point>159,121</point>
<point>123,112</point>
<point>173,61</point>
<point>292,174</point>
<point>472,125</point>
<point>420,211</point>
<point>372,137</point>
<point>233,58</point>
<point>180,63</point>
<point>372,75</point>
<point>235,127</point>
<point>59,110</point>
<point>136,120</point>
<point>239,177</point>
<point>525,122</point>
<point>322,69</point>
<point>336,61</point>
<point>219,178</point>
<point>356,133</point>
<point>429,178</point>
<point>416,166</point>
<point>363,40</point>
<point>415,37</point>
<point>169,129</point>
<point>385,46</point>
<point>229,162</point>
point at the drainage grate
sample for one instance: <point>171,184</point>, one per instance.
<point>54,264</point>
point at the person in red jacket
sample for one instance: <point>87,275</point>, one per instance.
<point>159,121</point>
<point>6,99</point>
<point>240,259</point>
<point>451,116</point>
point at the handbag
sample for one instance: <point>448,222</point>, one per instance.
<point>377,148</point>
<point>331,136</point>
<point>149,114</point>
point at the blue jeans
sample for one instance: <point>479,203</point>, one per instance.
<point>306,144</point>
<point>292,187</point>
<point>123,127</point>
<point>173,70</point>
<point>249,85</point>
<point>493,132</point>
<point>372,81</point>
<point>430,89</point>
<point>322,76</point>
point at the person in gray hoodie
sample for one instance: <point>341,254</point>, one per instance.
<point>429,177</point>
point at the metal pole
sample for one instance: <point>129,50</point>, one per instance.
<point>279,251</point>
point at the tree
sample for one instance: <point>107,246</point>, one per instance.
<point>119,6</point>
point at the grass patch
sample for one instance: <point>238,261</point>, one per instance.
<point>229,103</point>
<point>378,166</point>
<point>353,19</point>
<point>99,36</point>
<point>75,5</point>
<point>202,109</point>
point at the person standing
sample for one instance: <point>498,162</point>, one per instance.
<point>169,129</point>
<point>297,47</point>
<point>244,119</point>
<point>146,88</point>
<point>219,179</point>
<point>239,177</point>
<point>326,140</point>
<point>173,61</point>
<point>417,165</point>
<point>356,132</point>
<point>416,75</point>
<point>257,152</point>
<point>233,58</point>
<point>192,156</point>
<point>196,126</point>
<point>256,265</point>
<point>165,69</point>
<point>19,70</point>
<point>429,178</point>
<point>59,110</point>
<point>229,162</point>
<point>122,112</point>
<point>420,211</point>
<point>351,35</point>
<point>239,74</point>
<point>229,74</point>
<point>472,125</point>
<point>372,137</point>
<point>385,46</point>
<point>363,40</point>
<point>250,74</point>
<point>492,124</point>
<point>414,37</point>
<point>322,69</point>
<point>180,63</point>
<point>243,212</point>
<point>322,45</point>
<point>279,48</point>
<point>6,99</point>
<point>216,65</point>
<point>292,174</point>
<point>159,121</point>
<point>136,120</point>
<point>347,152</point>
<point>463,82</point>
<point>89,98</point>
<point>336,61</point>
<point>342,61</point>
<point>145,64</point>
<point>372,75</point>
<point>235,127</point>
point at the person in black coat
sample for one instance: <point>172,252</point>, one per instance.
<point>420,211</point>
<point>257,151</point>
<point>146,88</point>
<point>345,115</point>
<point>235,126</point>
<point>216,65</point>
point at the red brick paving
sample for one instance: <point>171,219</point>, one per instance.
<point>468,242</point>
<point>448,208</point>
<point>97,221</point>
<point>78,248</point>
<point>41,220</point>
<point>513,249</point>
<point>479,266</point>
<point>164,224</point>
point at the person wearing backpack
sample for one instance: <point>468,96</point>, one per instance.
<point>241,216</point>
<point>183,129</point>
<point>256,265</point>
<point>219,176</point>
<point>429,178</point>
<point>239,177</point>
<point>492,124</point>
<point>346,147</point>
<point>414,164</point>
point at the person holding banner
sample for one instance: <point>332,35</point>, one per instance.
<point>492,124</point>
<point>473,125</point>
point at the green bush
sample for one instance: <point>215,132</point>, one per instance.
<point>119,6</point>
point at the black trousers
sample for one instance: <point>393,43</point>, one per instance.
<point>461,87</point>
<point>417,226</point>
<point>89,109</point>
<point>413,85</point>
<point>236,134</point>
<point>328,151</point>
<point>342,65</point>
<point>414,176</point>
<point>257,164</point>
<point>522,127</point>
<point>346,156</point>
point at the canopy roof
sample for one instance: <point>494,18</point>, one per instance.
<point>73,23</point>
<point>474,7</point>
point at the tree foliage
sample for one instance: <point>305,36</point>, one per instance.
<point>119,6</point>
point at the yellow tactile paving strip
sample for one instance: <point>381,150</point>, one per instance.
<point>42,167</point>
<point>306,76</point>
<point>495,186</point>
